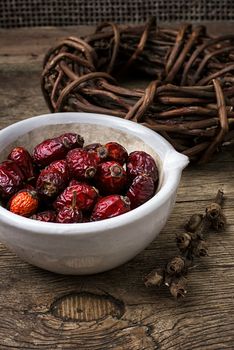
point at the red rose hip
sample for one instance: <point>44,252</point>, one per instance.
<point>111,177</point>
<point>110,206</point>
<point>23,159</point>
<point>56,148</point>
<point>86,196</point>
<point>69,215</point>
<point>141,190</point>
<point>140,162</point>
<point>111,151</point>
<point>53,179</point>
<point>116,152</point>
<point>61,167</point>
<point>11,178</point>
<point>49,184</point>
<point>24,202</point>
<point>82,164</point>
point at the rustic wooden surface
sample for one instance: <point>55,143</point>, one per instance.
<point>113,310</point>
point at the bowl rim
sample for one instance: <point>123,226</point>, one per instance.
<point>39,227</point>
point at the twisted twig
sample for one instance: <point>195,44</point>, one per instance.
<point>194,118</point>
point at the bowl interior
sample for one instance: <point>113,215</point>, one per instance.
<point>90,132</point>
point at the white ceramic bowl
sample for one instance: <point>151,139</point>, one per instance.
<point>92,247</point>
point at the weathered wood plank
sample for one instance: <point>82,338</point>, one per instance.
<point>113,310</point>
<point>210,298</point>
<point>36,41</point>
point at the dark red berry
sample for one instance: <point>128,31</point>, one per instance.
<point>110,151</point>
<point>61,167</point>
<point>140,162</point>
<point>86,196</point>
<point>56,148</point>
<point>46,216</point>
<point>50,183</point>
<point>141,190</point>
<point>53,179</point>
<point>49,151</point>
<point>111,177</point>
<point>13,169</point>
<point>11,178</point>
<point>100,150</point>
<point>82,164</point>
<point>69,215</point>
<point>110,206</point>
<point>23,159</point>
<point>116,152</point>
<point>92,146</point>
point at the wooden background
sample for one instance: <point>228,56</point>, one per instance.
<point>114,310</point>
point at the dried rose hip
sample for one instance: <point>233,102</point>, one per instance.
<point>86,196</point>
<point>111,177</point>
<point>24,203</point>
<point>46,216</point>
<point>13,169</point>
<point>109,151</point>
<point>11,178</point>
<point>64,159</point>
<point>69,215</point>
<point>61,167</point>
<point>100,150</point>
<point>53,179</point>
<point>82,164</point>
<point>116,152</point>
<point>48,151</point>
<point>56,148</point>
<point>140,162</point>
<point>49,184</point>
<point>23,159</point>
<point>141,190</point>
<point>110,206</point>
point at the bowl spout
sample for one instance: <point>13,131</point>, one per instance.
<point>175,160</point>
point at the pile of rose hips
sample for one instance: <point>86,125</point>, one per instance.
<point>64,182</point>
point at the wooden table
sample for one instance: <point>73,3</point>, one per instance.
<point>114,310</point>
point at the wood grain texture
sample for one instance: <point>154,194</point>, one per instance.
<point>85,307</point>
<point>114,310</point>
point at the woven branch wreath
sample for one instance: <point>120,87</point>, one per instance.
<point>189,101</point>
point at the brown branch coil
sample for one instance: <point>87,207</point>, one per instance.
<point>191,94</point>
